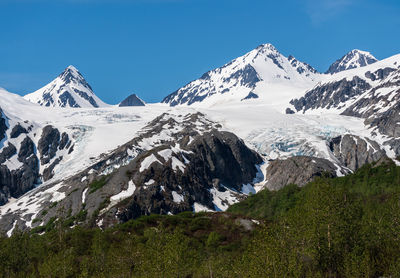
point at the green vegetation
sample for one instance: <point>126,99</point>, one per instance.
<point>97,184</point>
<point>184,245</point>
<point>269,205</point>
<point>342,227</point>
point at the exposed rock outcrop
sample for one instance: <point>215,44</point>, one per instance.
<point>3,125</point>
<point>48,143</point>
<point>353,152</point>
<point>214,162</point>
<point>17,130</point>
<point>16,182</point>
<point>331,95</point>
<point>298,170</point>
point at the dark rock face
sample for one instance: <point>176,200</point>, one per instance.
<point>26,149</point>
<point>372,103</point>
<point>379,74</point>
<point>297,170</point>
<point>7,152</point>
<point>15,183</point>
<point>48,144</point>
<point>395,146</point>
<point>387,122</point>
<point>197,91</point>
<point>353,152</point>
<point>64,142</point>
<point>214,160</point>
<point>250,96</point>
<point>17,131</point>
<point>87,97</point>
<point>381,107</point>
<point>132,100</point>
<point>289,111</point>
<point>3,126</point>
<point>300,66</point>
<point>331,95</point>
<point>67,99</point>
<point>48,172</point>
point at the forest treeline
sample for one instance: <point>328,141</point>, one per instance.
<point>332,227</point>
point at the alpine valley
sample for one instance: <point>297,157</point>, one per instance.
<point>262,121</point>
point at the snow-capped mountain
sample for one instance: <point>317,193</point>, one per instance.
<point>222,139</point>
<point>263,74</point>
<point>337,92</point>
<point>371,92</point>
<point>69,89</point>
<point>354,59</point>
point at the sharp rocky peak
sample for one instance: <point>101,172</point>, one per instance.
<point>354,59</point>
<point>71,73</point>
<point>267,47</point>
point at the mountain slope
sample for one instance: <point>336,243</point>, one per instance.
<point>339,91</point>
<point>354,59</point>
<point>263,74</point>
<point>69,89</point>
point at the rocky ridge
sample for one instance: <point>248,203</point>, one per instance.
<point>190,165</point>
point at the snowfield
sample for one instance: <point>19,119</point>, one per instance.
<point>100,130</point>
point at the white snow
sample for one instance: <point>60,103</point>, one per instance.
<point>9,233</point>
<point>148,161</point>
<point>166,154</point>
<point>84,195</point>
<point>177,198</point>
<point>124,193</point>
<point>197,207</point>
<point>115,199</point>
<point>149,182</point>
<point>223,199</point>
<point>13,163</point>
<point>177,164</point>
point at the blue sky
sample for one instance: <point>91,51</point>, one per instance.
<point>153,47</point>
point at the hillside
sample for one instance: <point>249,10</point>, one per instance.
<point>330,227</point>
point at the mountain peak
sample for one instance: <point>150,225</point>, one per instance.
<point>69,89</point>
<point>132,100</point>
<point>267,46</point>
<point>354,59</point>
<point>72,68</point>
<point>246,79</point>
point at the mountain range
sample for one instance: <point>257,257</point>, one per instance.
<point>263,120</point>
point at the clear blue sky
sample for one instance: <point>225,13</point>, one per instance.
<point>153,47</point>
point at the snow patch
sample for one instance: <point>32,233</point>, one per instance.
<point>197,207</point>
<point>177,198</point>
<point>148,161</point>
